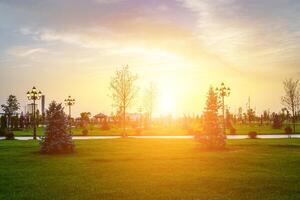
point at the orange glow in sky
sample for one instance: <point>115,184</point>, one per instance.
<point>182,46</point>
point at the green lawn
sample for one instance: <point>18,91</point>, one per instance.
<point>264,129</point>
<point>152,169</point>
<point>174,130</point>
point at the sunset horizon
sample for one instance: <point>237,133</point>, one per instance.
<point>183,47</point>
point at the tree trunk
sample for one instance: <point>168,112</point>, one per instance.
<point>124,121</point>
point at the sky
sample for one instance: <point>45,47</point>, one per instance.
<point>73,47</point>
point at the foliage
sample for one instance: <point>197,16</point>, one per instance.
<point>212,136</point>
<point>3,121</point>
<point>288,130</point>
<point>123,90</point>
<point>57,139</point>
<point>85,131</point>
<point>11,107</point>
<point>252,134</point>
<point>10,135</point>
<point>3,131</point>
<point>3,127</point>
<point>22,121</point>
<point>85,118</point>
<point>277,122</point>
<point>250,115</point>
<point>291,100</point>
<point>15,123</point>
<point>105,126</point>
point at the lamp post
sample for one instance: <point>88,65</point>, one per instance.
<point>223,92</point>
<point>69,102</point>
<point>34,95</point>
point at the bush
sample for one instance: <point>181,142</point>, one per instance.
<point>85,131</point>
<point>3,131</point>
<point>10,135</point>
<point>277,122</point>
<point>3,127</point>
<point>105,126</point>
<point>57,140</point>
<point>252,135</point>
<point>288,130</point>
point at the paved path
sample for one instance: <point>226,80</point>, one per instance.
<point>231,137</point>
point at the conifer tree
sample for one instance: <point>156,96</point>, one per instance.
<point>57,138</point>
<point>212,135</point>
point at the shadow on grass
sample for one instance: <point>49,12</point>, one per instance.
<point>39,153</point>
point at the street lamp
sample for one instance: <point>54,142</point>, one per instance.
<point>34,95</point>
<point>69,102</point>
<point>223,92</point>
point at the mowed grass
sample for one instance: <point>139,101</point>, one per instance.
<point>172,130</point>
<point>152,169</point>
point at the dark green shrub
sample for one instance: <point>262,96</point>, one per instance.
<point>3,125</point>
<point>252,135</point>
<point>277,122</point>
<point>10,135</point>
<point>288,130</point>
<point>3,131</point>
<point>85,131</point>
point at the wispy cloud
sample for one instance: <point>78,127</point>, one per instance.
<point>247,33</point>
<point>182,42</point>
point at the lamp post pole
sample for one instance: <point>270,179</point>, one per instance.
<point>223,92</point>
<point>70,102</point>
<point>34,95</point>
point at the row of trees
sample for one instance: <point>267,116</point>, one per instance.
<point>12,120</point>
<point>124,90</point>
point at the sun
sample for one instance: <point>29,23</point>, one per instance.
<point>166,104</point>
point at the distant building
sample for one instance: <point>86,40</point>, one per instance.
<point>99,118</point>
<point>29,108</point>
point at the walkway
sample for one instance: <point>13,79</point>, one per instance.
<point>230,137</point>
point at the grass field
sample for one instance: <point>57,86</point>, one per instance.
<point>152,169</point>
<point>241,129</point>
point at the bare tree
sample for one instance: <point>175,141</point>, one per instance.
<point>291,100</point>
<point>123,91</point>
<point>150,99</point>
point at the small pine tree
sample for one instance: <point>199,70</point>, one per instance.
<point>57,138</point>
<point>212,136</point>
